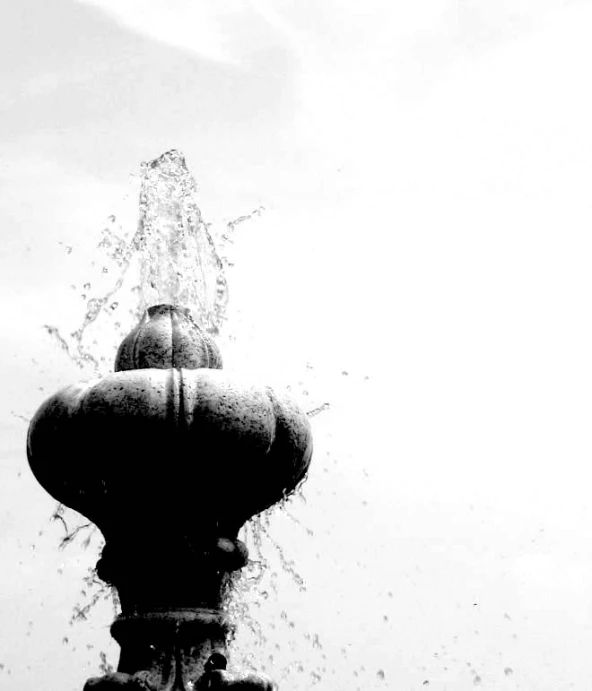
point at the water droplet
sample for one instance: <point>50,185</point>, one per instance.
<point>508,671</point>
<point>380,674</point>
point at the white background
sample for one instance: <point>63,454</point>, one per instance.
<point>426,167</point>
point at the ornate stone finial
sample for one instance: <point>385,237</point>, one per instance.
<point>169,457</point>
<point>167,338</point>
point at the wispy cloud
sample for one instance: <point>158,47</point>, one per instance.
<point>225,33</point>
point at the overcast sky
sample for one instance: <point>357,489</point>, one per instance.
<point>425,167</point>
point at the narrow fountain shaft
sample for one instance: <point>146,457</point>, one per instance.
<point>170,649</point>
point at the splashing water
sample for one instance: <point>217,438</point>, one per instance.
<point>181,264</point>
<point>171,256</point>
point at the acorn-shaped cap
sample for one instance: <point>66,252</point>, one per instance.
<point>166,338</point>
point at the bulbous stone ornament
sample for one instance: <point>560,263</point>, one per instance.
<point>169,456</point>
<point>207,448</point>
<point>168,337</point>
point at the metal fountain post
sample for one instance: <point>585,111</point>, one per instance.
<point>169,457</point>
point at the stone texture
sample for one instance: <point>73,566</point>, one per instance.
<point>171,438</point>
<point>168,337</point>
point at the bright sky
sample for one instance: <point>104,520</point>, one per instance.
<point>426,170</point>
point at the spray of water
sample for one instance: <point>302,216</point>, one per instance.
<point>180,263</point>
<point>170,256</point>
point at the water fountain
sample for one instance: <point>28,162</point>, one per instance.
<point>169,456</point>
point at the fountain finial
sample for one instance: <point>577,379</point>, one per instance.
<point>168,337</point>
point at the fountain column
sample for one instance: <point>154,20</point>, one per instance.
<point>169,457</point>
